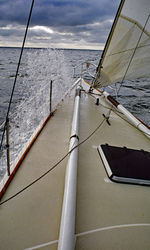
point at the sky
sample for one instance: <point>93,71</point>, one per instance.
<point>78,24</point>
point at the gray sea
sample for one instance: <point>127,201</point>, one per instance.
<point>30,104</point>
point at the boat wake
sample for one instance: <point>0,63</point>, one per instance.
<point>42,66</point>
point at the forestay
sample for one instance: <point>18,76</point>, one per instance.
<point>127,51</point>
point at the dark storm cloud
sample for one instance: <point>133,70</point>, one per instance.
<point>15,11</point>
<point>69,19</point>
<point>57,13</point>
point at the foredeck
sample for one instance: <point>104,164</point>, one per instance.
<point>33,217</point>
<point>108,215</point>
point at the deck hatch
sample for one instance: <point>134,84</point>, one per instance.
<point>126,165</point>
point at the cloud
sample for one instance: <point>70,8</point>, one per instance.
<point>15,11</point>
<point>45,29</point>
<point>60,21</point>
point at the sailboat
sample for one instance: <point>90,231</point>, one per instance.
<point>84,184</point>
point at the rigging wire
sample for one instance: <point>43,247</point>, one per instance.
<point>54,166</point>
<point>49,170</point>
<point>133,54</point>
<point>17,70</point>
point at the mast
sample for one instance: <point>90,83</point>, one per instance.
<point>127,50</point>
<point>110,35</point>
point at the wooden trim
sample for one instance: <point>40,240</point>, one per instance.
<point>142,122</point>
<point>113,101</point>
<point>23,156</point>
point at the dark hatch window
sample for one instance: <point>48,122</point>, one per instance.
<point>126,165</point>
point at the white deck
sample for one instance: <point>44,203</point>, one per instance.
<point>108,215</point>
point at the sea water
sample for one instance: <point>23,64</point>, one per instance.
<point>30,103</point>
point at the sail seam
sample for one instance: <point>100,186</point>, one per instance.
<point>110,35</point>
<point>123,51</point>
<point>128,66</point>
<point>136,23</point>
<point>98,70</point>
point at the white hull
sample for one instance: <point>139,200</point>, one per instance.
<point>108,215</point>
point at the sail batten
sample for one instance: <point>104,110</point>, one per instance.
<point>127,51</point>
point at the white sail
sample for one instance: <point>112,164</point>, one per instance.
<point>127,51</point>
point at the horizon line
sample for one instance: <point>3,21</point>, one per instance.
<point>29,47</point>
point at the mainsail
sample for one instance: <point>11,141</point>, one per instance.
<point>127,51</point>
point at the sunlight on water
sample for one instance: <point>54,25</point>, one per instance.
<point>42,67</point>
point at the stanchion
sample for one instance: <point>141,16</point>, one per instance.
<point>7,146</point>
<point>50,99</point>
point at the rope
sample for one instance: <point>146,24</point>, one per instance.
<point>16,75</point>
<point>52,168</point>
<point>49,170</point>
<point>117,112</point>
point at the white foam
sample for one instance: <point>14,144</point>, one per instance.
<point>42,67</point>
